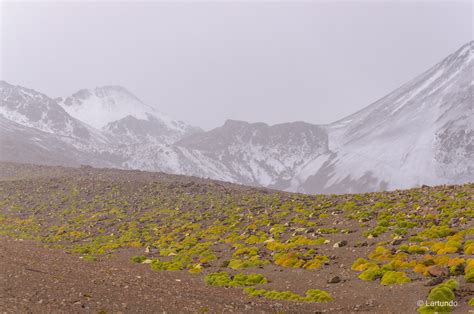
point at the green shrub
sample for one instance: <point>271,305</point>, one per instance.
<point>394,278</point>
<point>371,274</point>
<point>439,298</point>
<point>138,259</point>
<point>89,258</point>
<point>435,232</point>
<point>312,295</point>
<point>415,249</point>
<point>225,280</point>
<point>156,264</point>
<point>362,264</point>
<point>246,263</point>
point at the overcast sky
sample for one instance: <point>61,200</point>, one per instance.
<point>206,62</point>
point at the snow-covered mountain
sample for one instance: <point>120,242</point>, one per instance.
<point>421,133</point>
<point>258,154</point>
<point>119,112</point>
<point>35,110</point>
<point>35,128</point>
<point>30,108</point>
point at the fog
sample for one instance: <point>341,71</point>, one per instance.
<point>204,62</point>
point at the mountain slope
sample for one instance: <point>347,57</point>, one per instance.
<point>20,143</point>
<point>30,108</point>
<point>37,111</point>
<point>421,133</point>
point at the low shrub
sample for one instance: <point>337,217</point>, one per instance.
<point>439,298</point>
<point>312,295</point>
<point>394,278</point>
<point>223,279</point>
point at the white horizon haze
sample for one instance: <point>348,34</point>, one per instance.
<point>205,62</point>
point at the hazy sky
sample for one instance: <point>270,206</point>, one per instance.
<point>204,62</point>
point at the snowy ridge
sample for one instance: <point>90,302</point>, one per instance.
<point>421,133</point>
<point>104,105</point>
<point>397,139</point>
<point>258,154</point>
<point>35,110</point>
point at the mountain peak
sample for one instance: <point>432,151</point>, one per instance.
<point>107,89</point>
<point>115,109</point>
<point>464,55</point>
<point>105,104</point>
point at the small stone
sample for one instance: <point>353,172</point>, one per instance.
<point>438,271</point>
<point>434,281</point>
<point>340,243</point>
<point>454,222</point>
<point>150,250</point>
<point>397,242</point>
<point>361,244</point>
<point>335,279</point>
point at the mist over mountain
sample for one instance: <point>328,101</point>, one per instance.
<point>421,133</point>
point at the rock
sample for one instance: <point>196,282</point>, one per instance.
<point>334,279</point>
<point>454,222</point>
<point>340,243</point>
<point>434,281</point>
<point>438,271</point>
<point>397,242</point>
<point>150,250</point>
<point>306,258</point>
<point>361,244</point>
